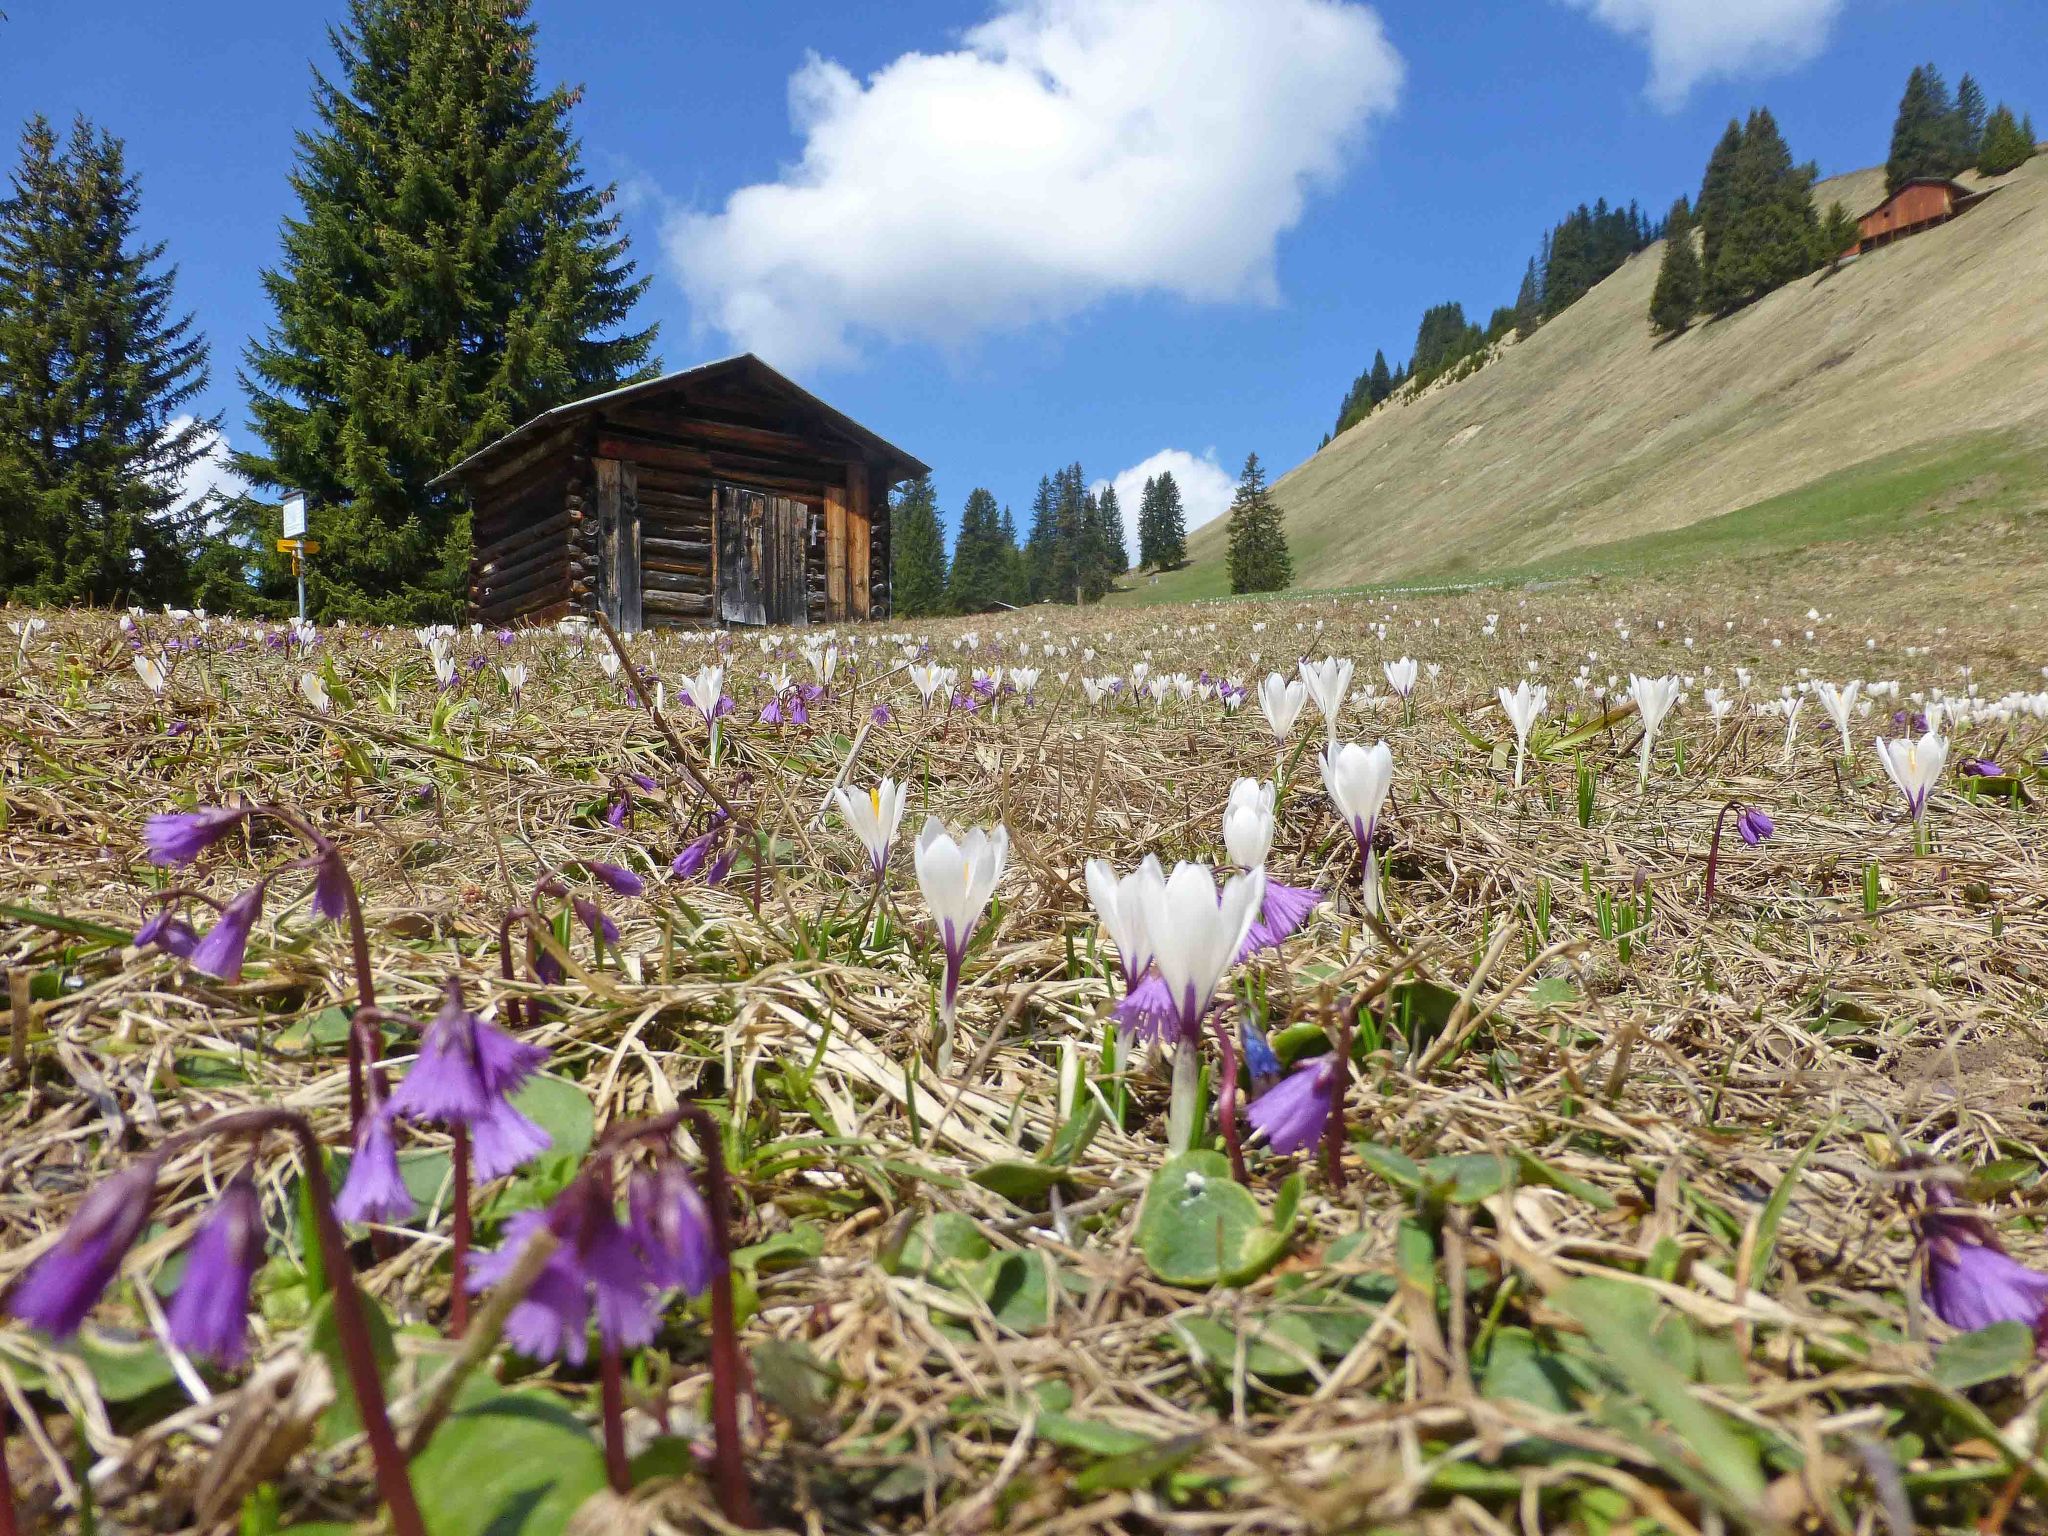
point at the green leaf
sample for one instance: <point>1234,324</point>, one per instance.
<point>1531,1169</point>
<point>1074,1434</point>
<point>1774,1208</point>
<point>562,1109</point>
<point>1019,1289</point>
<point>1396,1168</point>
<point>1073,1136</point>
<point>517,1464</point>
<point>124,1367</point>
<point>1199,1227</point>
<point>1138,1468</point>
<point>945,1247</point>
<point>1466,1178</point>
<point>802,1243</point>
<point>342,1420</point>
<point>1553,992</point>
<point>326,1030</point>
<point>796,1383</point>
<point>1521,1369</point>
<point>1278,1346</point>
<point>1989,1354</point>
<point>1024,1184</point>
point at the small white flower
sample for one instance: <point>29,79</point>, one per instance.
<point>1329,683</point>
<point>1653,697</point>
<point>958,876</point>
<point>1915,767</point>
<point>874,817</point>
<point>1120,907</point>
<point>706,688</point>
<point>1523,706</point>
<point>1401,675</point>
<point>1281,701</point>
<point>1196,934</point>
<point>1248,823</point>
<point>315,691</point>
<point>154,674</point>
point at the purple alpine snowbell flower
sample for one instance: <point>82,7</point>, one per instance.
<point>330,886</point>
<point>467,1071</point>
<point>60,1287</point>
<point>615,813</point>
<point>687,864</point>
<point>595,919</point>
<point>168,932</point>
<point>880,714</point>
<point>209,1315</point>
<point>597,1257</point>
<point>1291,1114</point>
<point>1980,768</point>
<point>1147,1011</point>
<point>672,1226</point>
<point>615,877</point>
<point>179,837</point>
<point>1753,826</point>
<point>374,1190</point>
<point>219,952</point>
<point>1260,1062</point>
<point>1968,1280</point>
<point>1283,914</point>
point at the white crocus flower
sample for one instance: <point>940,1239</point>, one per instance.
<point>154,674</point>
<point>957,877</point>
<point>515,677</point>
<point>1401,675</point>
<point>1196,935</point>
<point>608,663</point>
<point>1092,689</point>
<point>1024,679</point>
<point>1653,697</point>
<point>928,678</point>
<point>1248,823</point>
<point>1840,703</point>
<point>1359,780</point>
<point>1120,907</point>
<point>1524,706</point>
<point>1915,766</point>
<point>874,817</point>
<point>1329,683</point>
<point>1281,702</point>
<point>315,691</point>
<point>705,690</point>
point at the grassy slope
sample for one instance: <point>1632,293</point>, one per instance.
<point>1590,436</point>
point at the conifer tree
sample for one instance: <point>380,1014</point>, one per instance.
<point>1172,550</point>
<point>1970,122</point>
<point>1837,231</point>
<point>1016,574</point>
<point>1529,300</point>
<point>1105,556</point>
<point>979,577</point>
<point>1715,207</point>
<point>1259,561</point>
<point>1380,382</point>
<point>917,552</point>
<point>1925,140</point>
<point>1042,551</point>
<point>449,275</point>
<point>1064,572</point>
<point>1677,296</point>
<point>97,380</point>
<point>2007,144</point>
<point>1771,230</point>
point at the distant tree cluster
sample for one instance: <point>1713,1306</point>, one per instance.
<point>97,375</point>
<point>1582,249</point>
<point>1935,134</point>
<point>1075,552</point>
<point>1163,523</point>
<point>1259,561</point>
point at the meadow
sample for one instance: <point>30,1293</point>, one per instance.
<point>1624,1140</point>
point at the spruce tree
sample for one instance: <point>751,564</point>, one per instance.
<point>97,379</point>
<point>1771,230</point>
<point>1041,553</point>
<point>1925,141</point>
<point>1716,202</point>
<point>1105,555</point>
<point>1259,560</point>
<point>1529,300</point>
<point>1971,120</point>
<point>450,274</point>
<point>1381,382</point>
<point>1173,521</point>
<point>1837,231</point>
<point>917,554</point>
<point>979,577</point>
<point>1016,586</point>
<point>1069,554</point>
<point>1677,296</point>
<point>2007,145</point>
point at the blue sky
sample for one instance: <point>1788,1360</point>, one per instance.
<point>1101,231</point>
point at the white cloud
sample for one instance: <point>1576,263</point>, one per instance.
<point>1067,151</point>
<point>1205,489</point>
<point>1695,40</point>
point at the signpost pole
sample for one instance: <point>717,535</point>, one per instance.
<point>296,541</point>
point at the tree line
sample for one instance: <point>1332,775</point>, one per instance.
<point>1755,220</point>
<point>449,272</point>
<point>1075,550</point>
<point>1577,252</point>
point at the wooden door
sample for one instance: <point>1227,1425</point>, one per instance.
<point>760,538</point>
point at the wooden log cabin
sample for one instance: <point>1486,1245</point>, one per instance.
<point>723,494</point>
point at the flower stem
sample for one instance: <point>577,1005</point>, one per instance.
<point>735,1496</point>
<point>458,1253</point>
<point>1340,1080</point>
<point>613,1390</point>
<point>1226,1100</point>
<point>1714,856</point>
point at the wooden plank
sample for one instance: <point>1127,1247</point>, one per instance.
<point>605,478</point>
<point>835,552</point>
<point>858,559</point>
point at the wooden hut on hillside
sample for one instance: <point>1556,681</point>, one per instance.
<point>723,494</point>
<point>1919,204</point>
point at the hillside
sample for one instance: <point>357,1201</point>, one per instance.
<point>1591,432</point>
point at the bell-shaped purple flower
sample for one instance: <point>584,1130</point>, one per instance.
<point>881,715</point>
<point>595,919</point>
<point>1260,1062</point>
<point>1968,1280</point>
<point>1980,768</point>
<point>167,931</point>
<point>220,950</point>
<point>673,1228</point>
<point>771,712</point>
<point>60,1287</point>
<point>1291,1114</point>
<point>331,886</point>
<point>1753,826</point>
<point>374,1189</point>
<point>720,868</point>
<point>596,1260</point>
<point>1147,1010</point>
<point>690,861</point>
<point>209,1315</point>
<point>466,1074</point>
<point>179,837</point>
<point>615,877</point>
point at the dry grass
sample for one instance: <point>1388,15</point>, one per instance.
<point>1423,1358</point>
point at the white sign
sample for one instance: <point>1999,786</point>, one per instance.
<point>295,517</point>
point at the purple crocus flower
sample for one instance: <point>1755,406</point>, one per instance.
<point>60,1287</point>
<point>1753,826</point>
<point>179,837</point>
<point>209,1315</point>
<point>1967,1279</point>
<point>168,932</point>
<point>219,952</point>
<point>1290,1115</point>
<point>672,1227</point>
<point>374,1190</point>
<point>597,1259</point>
<point>1980,768</point>
<point>615,877</point>
<point>466,1074</point>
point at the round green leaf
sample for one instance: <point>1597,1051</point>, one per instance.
<point>517,1464</point>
